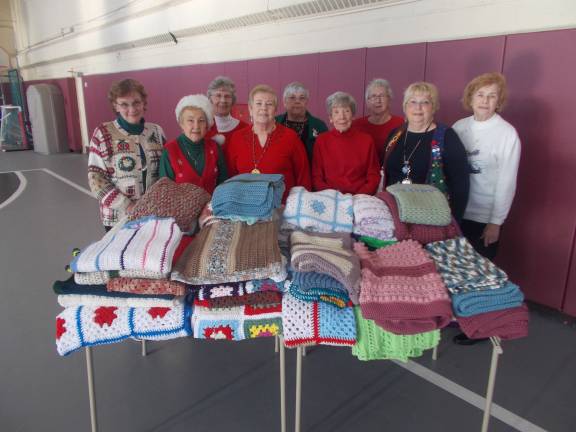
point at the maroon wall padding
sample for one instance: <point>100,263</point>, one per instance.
<point>451,65</point>
<point>304,69</point>
<point>265,71</point>
<point>538,236</point>
<point>401,65</point>
<point>68,88</point>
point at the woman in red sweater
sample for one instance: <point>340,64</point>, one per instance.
<point>268,147</point>
<point>345,158</point>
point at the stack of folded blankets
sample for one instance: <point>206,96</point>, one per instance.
<point>484,301</point>
<point>419,212</point>
<point>401,290</point>
<point>373,222</point>
<point>325,277</point>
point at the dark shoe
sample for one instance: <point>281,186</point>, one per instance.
<point>462,339</point>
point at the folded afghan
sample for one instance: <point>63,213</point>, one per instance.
<point>324,211</point>
<point>237,323</point>
<point>316,323</point>
<point>71,287</point>
<point>165,198</point>
<point>146,286</point>
<point>319,287</point>
<point>238,289</point>
<point>231,252</point>
<point>329,254</point>
<point>145,244</point>
<point>375,343</point>
<point>256,298</point>
<point>471,303</point>
<point>421,204</point>
<point>248,195</point>
<point>83,326</point>
<point>372,218</point>
<point>463,269</point>
<point>421,233</point>
<point>401,290</point>
<point>69,300</point>
<point>506,324</point>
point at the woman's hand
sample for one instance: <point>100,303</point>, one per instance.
<point>491,234</point>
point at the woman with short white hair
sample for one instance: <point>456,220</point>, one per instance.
<point>193,157</point>
<point>427,152</point>
<point>345,159</point>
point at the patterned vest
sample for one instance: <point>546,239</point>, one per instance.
<point>185,173</point>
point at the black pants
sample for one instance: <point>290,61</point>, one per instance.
<point>473,231</point>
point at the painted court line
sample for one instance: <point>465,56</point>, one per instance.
<point>17,192</point>
<point>469,396</point>
<point>68,182</point>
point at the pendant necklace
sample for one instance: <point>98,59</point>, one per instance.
<point>255,170</point>
<point>406,168</point>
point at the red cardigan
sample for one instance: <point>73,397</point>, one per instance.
<point>285,155</point>
<point>379,133</point>
<point>346,162</point>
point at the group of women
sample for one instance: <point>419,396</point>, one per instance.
<point>474,163</point>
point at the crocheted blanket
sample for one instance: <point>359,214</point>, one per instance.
<point>235,289</point>
<point>237,323</point>
<point>325,211</point>
<point>165,198</point>
<point>71,287</point>
<point>319,287</point>
<point>248,195</point>
<point>476,302</point>
<point>422,233</point>
<point>316,323</point>
<point>231,252</point>
<point>70,300</point>
<point>329,254</point>
<point>256,298</point>
<point>146,286</point>
<point>421,204</point>
<point>506,324</point>
<point>401,290</point>
<point>372,218</point>
<point>82,326</point>
<point>375,343</point>
<point>145,244</point>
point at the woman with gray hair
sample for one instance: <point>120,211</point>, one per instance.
<point>297,117</point>
<point>222,95</point>
<point>379,122</point>
<point>193,157</point>
<point>424,151</point>
<point>345,159</point>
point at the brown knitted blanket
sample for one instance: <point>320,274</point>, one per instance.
<point>231,252</point>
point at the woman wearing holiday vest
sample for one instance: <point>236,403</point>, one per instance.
<point>192,157</point>
<point>124,154</point>
<point>423,151</point>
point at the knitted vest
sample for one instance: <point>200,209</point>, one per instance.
<point>185,173</point>
<point>435,176</point>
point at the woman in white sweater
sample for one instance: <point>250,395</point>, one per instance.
<point>493,149</point>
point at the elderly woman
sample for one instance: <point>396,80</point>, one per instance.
<point>298,118</point>
<point>268,147</point>
<point>222,95</point>
<point>345,159</point>
<point>192,157</point>
<point>493,149</point>
<point>423,151</point>
<point>379,122</point>
<point>124,153</point>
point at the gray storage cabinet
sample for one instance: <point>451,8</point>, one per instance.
<point>48,118</point>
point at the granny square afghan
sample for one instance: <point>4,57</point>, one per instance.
<point>421,204</point>
<point>165,198</point>
<point>314,323</point>
<point>324,211</point>
<point>82,326</point>
<point>372,218</point>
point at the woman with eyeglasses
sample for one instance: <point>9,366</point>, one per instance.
<point>428,152</point>
<point>268,147</point>
<point>124,154</point>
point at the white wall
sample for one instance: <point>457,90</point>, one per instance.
<point>81,34</point>
<point>7,44</point>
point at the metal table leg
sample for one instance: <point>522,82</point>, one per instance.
<point>297,416</point>
<point>144,352</point>
<point>91,391</point>
<point>496,352</point>
<point>282,385</point>
<point>435,353</point>
<point>276,338</point>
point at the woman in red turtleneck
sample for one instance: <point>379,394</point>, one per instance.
<point>345,158</point>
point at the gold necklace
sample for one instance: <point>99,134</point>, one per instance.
<point>255,170</point>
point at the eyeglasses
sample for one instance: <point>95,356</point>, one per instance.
<point>125,106</point>
<point>218,95</point>
<point>294,98</point>
<point>378,97</point>
<point>413,103</point>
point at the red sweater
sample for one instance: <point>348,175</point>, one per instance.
<point>379,133</point>
<point>346,162</point>
<point>285,155</point>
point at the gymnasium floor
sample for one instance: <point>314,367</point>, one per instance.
<point>189,385</point>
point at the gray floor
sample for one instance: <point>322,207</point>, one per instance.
<point>185,385</point>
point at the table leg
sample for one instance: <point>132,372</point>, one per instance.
<point>91,390</point>
<point>496,352</point>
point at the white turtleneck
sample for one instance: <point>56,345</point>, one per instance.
<point>493,149</point>
<point>226,124</point>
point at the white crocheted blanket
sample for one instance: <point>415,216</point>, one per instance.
<point>372,218</point>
